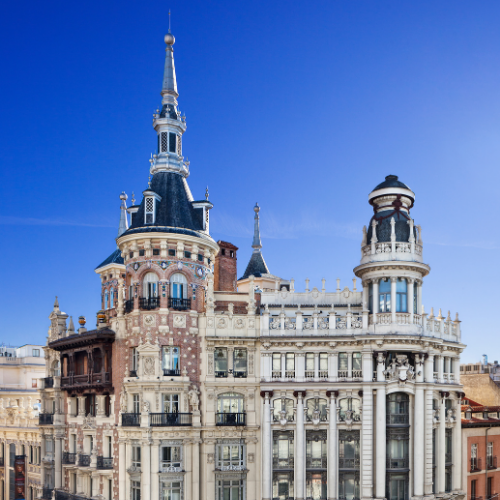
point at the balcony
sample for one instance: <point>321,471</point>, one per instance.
<point>149,303</point>
<point>170,419</point>
<point>475,465</point>
<point>48,382</point>
<point>83,460</point>
<point>315,462</point>
<point>221,374</point>
<point>131,419</point>
<point>397,463</point>
<point>230,419</point>
<point>179,304</point>
<point>69,458</point>
<point>237,374</point>
<point>87,379</point>
<point>399,419</point>
<point>129,306</point>
<point>46,419</point>
<point>47,493</point>
<point>283,463</point>
<point>171,373</point>
<point>104,462</point>
<point>491,462</point>
<point>64,495</point>
<point>349,463</point>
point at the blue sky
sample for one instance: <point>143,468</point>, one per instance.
<point>301,106</point>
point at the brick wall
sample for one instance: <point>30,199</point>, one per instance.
<point>225,268</point>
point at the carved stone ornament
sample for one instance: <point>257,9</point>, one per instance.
<point>239,323</point>
<point>222,323</point>
<point>400,369</point>
<point>89,422</point>
<point>149,320</point>
<point>210,458</point>
<point>149,365</point>
<point>180,321</point>
<point>145,406</point>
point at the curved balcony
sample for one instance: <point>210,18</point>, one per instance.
<point>179,304</point>
<point>149,303</point>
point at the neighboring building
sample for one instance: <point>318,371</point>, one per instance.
<point>196,385</point>
<point>20,369</point>
<point>480,449</point>
<point>481,381</point>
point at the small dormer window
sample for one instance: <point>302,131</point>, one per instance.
<point>149,210</point>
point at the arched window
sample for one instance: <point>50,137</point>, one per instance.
<point>230,409</point>
<point>179,286</point>
<point>150,286</point>
<point>106,299</point>
<point>112,298</point>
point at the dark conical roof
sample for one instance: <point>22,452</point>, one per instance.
<point>256,267</point>
<point>175,212</point>
<point>114,258</point>
<point>391,181</point>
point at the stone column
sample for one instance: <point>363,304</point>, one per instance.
<point>429,419</point>
<point>409,298</point>
<point>419,296</point>
<point>300,366</point>
<point>146,470</point>
<point>441,448</point>
<point>381,424</point>
<point>195,457</point>
<point>349,364</point>
<point>267,444</point>
<point>58,461</point>
<point>122,466</point>
<point>393,299</point>
<point>188,467</point>
<point>283,366</point>
<point>155,468</point>
<point>375,297</point>
<point>335,367</point>
<point>418,449</point>
<point>440,369</point>
<point>300,463</point>
<point>333,453</point>
<point>367,445</point>
<point>457,448</point>
<point>316,366</point>
<point>230,359</point>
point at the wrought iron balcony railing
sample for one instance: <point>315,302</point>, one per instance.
<point>84,460</point>
<point>230,419</point>
<point>397,463</point>
<point>491,462</point>
<point>398,419</point>
<point>170,419</point>
<point>171,373</point>
<point>104,462</point>
<point>149,303</point>
<point>179,304</point>
<point>69,458</point>
<point>349,463</point>
<point>131,419</point>
<point>283,463</point>
<point>316,463</point>
<point>475,465</point>
<point>129,306</point>
<point>48,382</point>
<point>47,493</point>
<point>45,419</point>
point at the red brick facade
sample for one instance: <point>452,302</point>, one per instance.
<point>225,274</point>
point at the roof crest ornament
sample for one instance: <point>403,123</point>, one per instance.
<point>256,245</point>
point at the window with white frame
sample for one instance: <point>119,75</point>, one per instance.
<point>171,457</point>
<point>150,286</point>
<point>356,365</point>
<point>171,490</point>
<point>106,299</point>
<point>283,410</point>
<point>230,489</point>
<point>170,403</point>
<point>170,360</point>
<point>136,403</point>
<point>276,365</point>
<point>136,455</point>
<point>179,286</point>
<point>149,210</point>
<point>135,360</point>
<point>36,353</point>
<point>343,365</point>
<point>220,358</point>
<point>473,457</point>
<point>240,363</point>
<point>309,365</point>
<point>230,402</point>
<point>135,490</point>
<point>111,298</point>
<point>290,365</point>
<point>230,455</point>
<point>323,364</point>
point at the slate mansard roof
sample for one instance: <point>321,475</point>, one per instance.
<point>175,212</point>
<point>114,258</point>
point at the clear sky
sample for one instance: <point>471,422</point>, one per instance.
<point>301,106</point>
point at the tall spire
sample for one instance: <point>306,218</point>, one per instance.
<point>169,87</point>
<point>256,245</point>
<point>123,214</point>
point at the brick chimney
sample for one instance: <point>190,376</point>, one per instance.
<point>225,268</point>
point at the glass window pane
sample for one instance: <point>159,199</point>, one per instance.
<point>401,285</point>
<point>384,286</point>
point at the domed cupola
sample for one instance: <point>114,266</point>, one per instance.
<point>391,201</point>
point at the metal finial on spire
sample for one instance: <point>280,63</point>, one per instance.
<point>133,198</point>
<point>256,245</point>
<point>149,181</point>
<point>206,193</point>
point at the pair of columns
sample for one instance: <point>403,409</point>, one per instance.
<point>409,296</point>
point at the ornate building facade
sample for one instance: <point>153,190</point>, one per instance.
<point>196,384</point>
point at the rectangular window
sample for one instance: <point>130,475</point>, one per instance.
<point>220,356</point>
<point>156,251</point>
<point>170,403</point>
<point>73,443</point>
<point>135,487</point>
<point>136,403</point>
<point>170,361</point>
<point>90,405</point>
<point>384,296</point>
<point>36,353</point>
<point>231,489</point>
<point>171,456</point>
<point>356,362</point>
<point>240,363</point>
<point>401,294</point>
<point>164,142</point>
<point>171,490</point>
<point>310,362</point>
<point>136,455</point>
<point>277,363</point>
<point>187,255</point>
<point>200,257</point>
<point>34,383</point>
<point>171,252</point>
<point>109,442</point>
<point>179,145</point>
<point>141,253</point>
<point>172,142</point>
<point>73,483</point>
<point>131,255</point>
<point>230,456</point>
<point>110,489</point>
<point>473,489</point>
<point>149,211</point>
<point>135,360</point>
<point>323,362</point>
<point>290,361</point>
<point>343,361</point>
